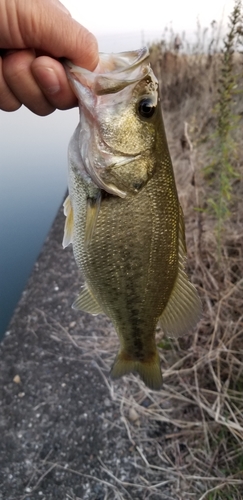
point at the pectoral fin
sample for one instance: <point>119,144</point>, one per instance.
<point>86,302</point>
<point>68,228</point>
<point>184,307</point>
<point>92,212</point>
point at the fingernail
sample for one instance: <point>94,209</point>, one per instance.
<point>48,80</point>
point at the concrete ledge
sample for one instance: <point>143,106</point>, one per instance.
<point>54,405</point>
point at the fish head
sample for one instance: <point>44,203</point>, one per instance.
<point>119,118</point>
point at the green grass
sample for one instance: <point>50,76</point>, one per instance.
<point>222,171</point>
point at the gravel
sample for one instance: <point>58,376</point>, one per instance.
<point>59,427</point>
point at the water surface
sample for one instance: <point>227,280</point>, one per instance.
<point>33,180</point>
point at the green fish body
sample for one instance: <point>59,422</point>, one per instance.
<point>123,215</point>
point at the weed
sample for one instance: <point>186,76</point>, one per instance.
<point>225,151</point>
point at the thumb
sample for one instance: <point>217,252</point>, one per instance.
<point>47,26</point>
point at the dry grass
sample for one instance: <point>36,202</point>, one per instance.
<point>187,437</point>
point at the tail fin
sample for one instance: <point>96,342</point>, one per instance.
<point>149,370</point>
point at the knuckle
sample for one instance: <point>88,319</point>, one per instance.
<point>16,63</point>
<point>8,101</point>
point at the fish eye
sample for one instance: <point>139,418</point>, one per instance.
<point>146,107</point>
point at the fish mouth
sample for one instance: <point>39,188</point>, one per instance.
<point>113,73</point>
<point>123,61</point>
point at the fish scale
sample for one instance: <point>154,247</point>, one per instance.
<point>123,215</point>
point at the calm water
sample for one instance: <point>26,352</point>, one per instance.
<point>33,180</point>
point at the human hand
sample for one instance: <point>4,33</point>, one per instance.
<point>34,35</point>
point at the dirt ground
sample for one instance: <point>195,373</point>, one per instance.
<point>60,429</point>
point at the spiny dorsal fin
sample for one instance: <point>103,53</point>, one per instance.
<point>184,307</point>
<point>87,303</point>
<point>92,212</point>
<point>68,228</point>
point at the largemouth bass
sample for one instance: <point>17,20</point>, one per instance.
<point>123,216</point>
